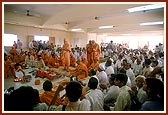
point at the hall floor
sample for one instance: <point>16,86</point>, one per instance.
<point>9,82</point>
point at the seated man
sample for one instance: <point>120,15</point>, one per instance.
<point>138,95</point>
<point>23,98</point>
<point>72,60</point>
<point>155,95</point>
<point>45,57</point>
<point>13,51</point>
<point>53,61</point>
<point>102,76</point>
<point>21,58</point>
<point>74,92</point>
<point>108,68</point>
<point>123,102</point>
<point>29,59</point>
<point>94,65</point>
<point>95,95</point>
<point>8,67</point>
<point>81,70</point>
<point>112,93</point>
<point>19,73</point>
<point>84,60</point>
<point>48,95</point>
<point>39,63</point>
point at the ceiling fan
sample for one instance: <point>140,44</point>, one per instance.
<point>31,14</point>
<point>28,13</point>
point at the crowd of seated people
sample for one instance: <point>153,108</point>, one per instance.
<point>119,97</point>
<point>128,80</point>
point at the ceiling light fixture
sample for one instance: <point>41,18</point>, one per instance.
<point>151,23</point>
<point>147,7</point>
<point>105,27</point>
<point>77,29</point>
<point>126,34</point>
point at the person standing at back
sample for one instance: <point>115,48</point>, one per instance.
<point>89,50</point>
<point>66,49</point>
<point>110,48</point>
<point>96,50</point>
<point>19,44</point>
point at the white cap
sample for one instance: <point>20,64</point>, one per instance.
<point>101,66</point>
<point>112,60</point>
<point>141,76</point>
<point>96,78</point>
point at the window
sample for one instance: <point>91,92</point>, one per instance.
<point>9,39</point>
<point>135,42</point>
<point>42,38</point>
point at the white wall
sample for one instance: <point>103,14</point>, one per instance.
<point>79,38</point>
<point>137,41</point>
<point>23,31</point>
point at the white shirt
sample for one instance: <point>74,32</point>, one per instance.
<point>106,53</point>
<point>29,60</point>
<point>109,70</point>
<point>160,47</point>
<point>133,64</point>
<point>160,63</point>
<point>19,45</point>
<point>31,46</point>
<point>123,102</point>
<point>128,58</point>
<point>96,98</point>
<point>147,69</point>
<point>131,75</point>
<point>102,54</point>
<point>112,94</point>
<point>129,84</point>
<point>39,53</point>
<point>76,55</point>
<point>138,69</point>
<point>117,65</point>
<point>19,74</point>
<point>102,76</point>
<point>141,95</point>
<point>83,105</point>
<point>40,107</point>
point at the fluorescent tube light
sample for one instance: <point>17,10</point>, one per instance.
<point>77,29</point>
<point>151,23</point>
<point>104,27</point>
<point>147,7</point>
<point>126,34</point>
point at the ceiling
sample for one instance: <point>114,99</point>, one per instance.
<point>88,17</point>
